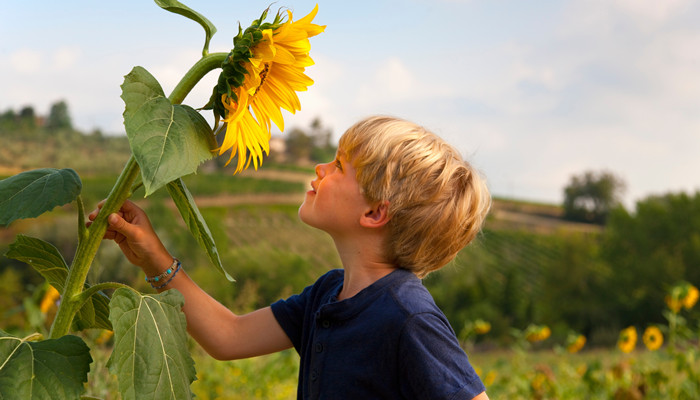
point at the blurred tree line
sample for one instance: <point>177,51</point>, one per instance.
<point>97,153</point>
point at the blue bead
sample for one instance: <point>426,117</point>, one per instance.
<point>170,270</point>
<point>146,279</point>
<point>157,279</point>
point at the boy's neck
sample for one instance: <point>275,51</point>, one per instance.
<point>363,266</point>
<point>356,280</point>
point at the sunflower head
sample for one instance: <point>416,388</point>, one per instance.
<point>233,69</point>
<point>261,76</point>
<point>537,333</point>
<point>653,338</point>
<point>575,342</point>
<point>683,295</point>
<point>628,339</point>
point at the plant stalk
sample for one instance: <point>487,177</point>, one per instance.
<point>87,248</point>
<point>71,299</point>
<point>195,74</point>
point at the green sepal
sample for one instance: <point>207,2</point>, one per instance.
<point>150,357</point>
<point>168,140</point>
<point>233,69</point>
<point>47,369</point>
<point>47,260</point>
<point>195,222</point>
<point>32,193</point>
<point>176,7</point>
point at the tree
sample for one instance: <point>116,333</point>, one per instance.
<point>59,118</point>
<point>27,118</point>
<point>591,196</point>
<point>313,145</point>
<point>649,251</point>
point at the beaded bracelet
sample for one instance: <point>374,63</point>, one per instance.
<point>153,279</point>
<point>164,274</point>
<point>169,279</point>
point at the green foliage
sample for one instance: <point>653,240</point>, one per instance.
<point>150,355</point>
<point>591,196</point>
<point>195,222</point>
<point>32,193</point>
<point>48,369</point>
<point>176,7</point>
<point>47,260</point>
<point>59,117</point>
<point>651,250</point>
<point>168,140</point>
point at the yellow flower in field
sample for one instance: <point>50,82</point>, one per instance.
<point>575,343</point>
<point>628,339</point>
<point>653,338</point>
<point>481,327</point>
<point>260,77</point>
<point>673,304</point>
<point>537,333</point>
<point>691,298</point>
<point>683,295</point>
<point>104,336</point>
<point>49,300</point>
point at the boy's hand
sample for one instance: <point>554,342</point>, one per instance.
<point>131,229</point>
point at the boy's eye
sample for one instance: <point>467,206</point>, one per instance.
<point>338,165</point>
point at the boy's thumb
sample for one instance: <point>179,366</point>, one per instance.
<point>118,223</point>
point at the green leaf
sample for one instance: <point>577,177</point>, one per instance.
<point>176,7</point>
<point>168,141</point>
<point>47,260</point>
<point>49,369</point>
<point>195,222</point>
<point>150,356</point>
<point>32,193</point>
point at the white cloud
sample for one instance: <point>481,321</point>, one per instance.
<point>65,58</point>
<point>26,61</point>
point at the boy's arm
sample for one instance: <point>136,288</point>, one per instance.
<point>481,396</point>
<point>223,334</point>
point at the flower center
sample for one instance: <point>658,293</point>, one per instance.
<point>263,76</point>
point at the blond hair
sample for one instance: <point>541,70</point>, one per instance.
<point>437,201</point>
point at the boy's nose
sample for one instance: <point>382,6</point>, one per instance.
<point>321,170</point>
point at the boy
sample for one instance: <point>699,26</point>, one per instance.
<point>398,203</point>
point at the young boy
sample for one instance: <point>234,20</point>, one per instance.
<point>399,203</point>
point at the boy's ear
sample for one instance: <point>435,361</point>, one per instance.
<point>376,216</point>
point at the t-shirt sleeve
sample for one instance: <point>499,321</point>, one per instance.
<point>433,363</point>
<point>290,315</point>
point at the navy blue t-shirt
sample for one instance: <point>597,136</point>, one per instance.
<point>390,341</point>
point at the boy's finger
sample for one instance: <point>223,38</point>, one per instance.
<point>119,224</point>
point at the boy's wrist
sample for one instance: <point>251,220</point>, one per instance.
<point>158,265</point>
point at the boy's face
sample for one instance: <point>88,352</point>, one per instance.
<point>335,203</point>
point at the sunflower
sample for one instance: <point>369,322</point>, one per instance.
<point>481,327</point>
<point>683,295</point>
<point>49,300</point>
<point>575,342</point>
<point>673,304</point>
<point>653,338</point>
<point>260,77</point>
<point>691,297</point>
<point>537,333</point>
<point>628,339</point>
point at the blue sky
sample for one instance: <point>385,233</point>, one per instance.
<point>531,92</point>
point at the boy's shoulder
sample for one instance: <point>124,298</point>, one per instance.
<point>410,295</point>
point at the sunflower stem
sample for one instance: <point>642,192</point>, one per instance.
<point>87,248</point>
<point>202,67</point>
